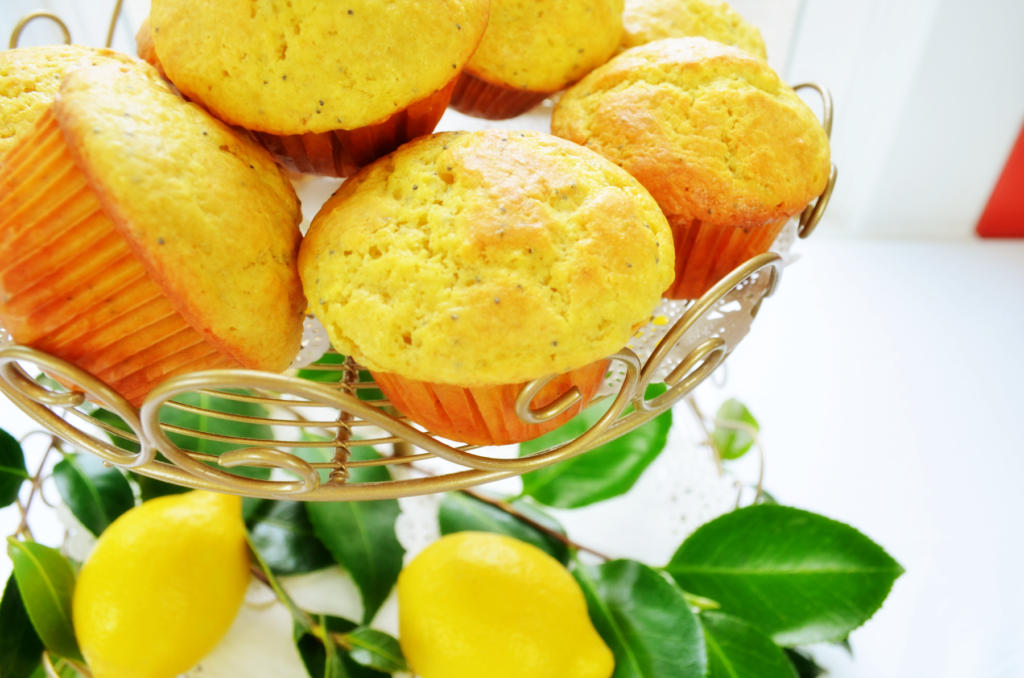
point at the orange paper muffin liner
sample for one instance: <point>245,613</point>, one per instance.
<point>342,153</point>
<point>706,253</point>
<point>481,99</point>
<point>337,153</point>
<point>485,415</point>
<point>71,286</point>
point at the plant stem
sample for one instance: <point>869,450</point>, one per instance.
<point>692,402</point>
<point>511,510</point>
<point>755,436</point>
<point>37,482</point>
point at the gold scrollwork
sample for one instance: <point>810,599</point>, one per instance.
<point>32,16</point>
<point>703,359</point>
<point>812,214</point>
<point>15,379</point>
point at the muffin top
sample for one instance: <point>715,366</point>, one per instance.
<point>486,258</point>
<point>542,47</point>
<point>312,66</point>
<point>710,130</point>
<point>645,21</point>
<point>31,76</point>
<point>211,217</point>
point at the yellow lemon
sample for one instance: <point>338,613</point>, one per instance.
<point>162,587</point>
<point>476,604</point>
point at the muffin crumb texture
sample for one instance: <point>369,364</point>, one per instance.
<point>542,47</point>
<point>210,215</point>
<point>306,66</point>
<point>710,130</point>
<point>645,21</point>
<point>30,78</point>
<point>486,258</point>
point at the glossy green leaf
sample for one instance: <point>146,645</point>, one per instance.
<point>733,443</point>
<point>376,650</point>
<point>20,647</point>
<point>804,664</point>
<point>361,536</point>
<point>328,660</point>
<point>97,495</point>
<point>12,469</point>
<point>335,376</point>
<point>47,582</point>
<point>645,621</point>
<point>285,538</point>
<point>461,512</point>
<point>798,577</point>
<point>738,650</point>
<point>208,424</point>
<point>606,471</point>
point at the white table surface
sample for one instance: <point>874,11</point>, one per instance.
<point>887,380</point>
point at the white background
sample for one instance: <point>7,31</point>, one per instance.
<point>887,375</point>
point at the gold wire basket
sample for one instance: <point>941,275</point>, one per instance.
<point>298,407</point>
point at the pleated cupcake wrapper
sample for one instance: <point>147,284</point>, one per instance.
<point>485,415</point>
<point>482,99</point>
<point>342,153</point>
<point>337,153</point>
<point>70,284</point>
<point>706,253</point>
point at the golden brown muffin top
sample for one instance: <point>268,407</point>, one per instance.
<point>313,66</point>
<point>212,218</point>
<point>486,258</point>
<point>710,130</point>
<point>31,76</point>
<point>542,47</point>
<point>645,21</point>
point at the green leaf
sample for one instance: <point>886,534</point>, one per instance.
<point>738,650</point>
<point>327,660</point>
<point>97,495</point>
<point>361,536</point>
<point>376,650</point>
<point>645,621</point>
<point>803,662</point>
<point>733,443</point>
<point>602,473</point>
<point>284,536</point>
<point>207,424</point>
<point>20,647</point>
<point>335,376</point>
<point>12,469</point>
<point>798,577</point>
<point>46,582</point>
<point>461,512</point>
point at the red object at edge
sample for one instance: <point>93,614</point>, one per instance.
<point>1004,215</point>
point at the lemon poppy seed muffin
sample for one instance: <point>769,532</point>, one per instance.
<point>645,21</point>
<point>329,87</point>
<point>465,264</point>
<point>728,150</point>
<point>31,76</point>
<point>532,50</point>
<point>140,238</point>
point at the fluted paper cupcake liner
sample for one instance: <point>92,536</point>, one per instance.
<point>485,415</point>
<point>71,286</point>
<point>481,99</point>
<point>706,253</point>
<point>337,153</point>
